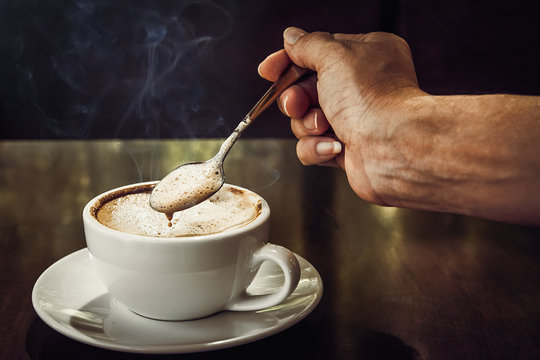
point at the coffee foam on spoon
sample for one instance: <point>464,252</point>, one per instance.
<point>228,208</point>
<point>186,186</point>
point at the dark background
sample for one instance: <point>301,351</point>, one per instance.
<point>185,68</point>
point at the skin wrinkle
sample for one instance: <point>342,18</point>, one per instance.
<point>371,194</point>
<point>404,169</point>
<point>366,158</point>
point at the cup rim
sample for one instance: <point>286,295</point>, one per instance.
<point>90,220</point>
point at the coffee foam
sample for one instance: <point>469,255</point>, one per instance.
<point>228,208</point>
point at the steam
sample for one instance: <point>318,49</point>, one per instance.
<point>124,68</point>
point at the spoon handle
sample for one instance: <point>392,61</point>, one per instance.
<point>291,75</point>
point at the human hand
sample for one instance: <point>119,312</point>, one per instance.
<point>364,112</point>
<point>344,114</point>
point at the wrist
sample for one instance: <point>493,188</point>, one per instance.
<point>414,161</point>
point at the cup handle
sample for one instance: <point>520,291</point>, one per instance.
<point>288,263</point>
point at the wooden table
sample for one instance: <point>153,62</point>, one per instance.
<point>398,284</point>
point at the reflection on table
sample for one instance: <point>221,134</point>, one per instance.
<point>397,282</point>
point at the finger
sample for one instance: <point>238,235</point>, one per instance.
<point>309,85</point>
<point>312,150</point>
<point>274,64</point>
<point>296,100</point>
<point>337,162</point>
<point>314,122</point>
<point>310,50</point>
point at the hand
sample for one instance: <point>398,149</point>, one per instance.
<point>363,111</point>
<point>342,113</point>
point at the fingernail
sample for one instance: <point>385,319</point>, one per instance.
<point>311,123</point>
<point>328,148</point>
<point>292,34</point>
<point>285,105</point>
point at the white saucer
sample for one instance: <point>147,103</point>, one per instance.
<point>70,298</point>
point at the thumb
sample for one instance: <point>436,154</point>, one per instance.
<point>306,49</point>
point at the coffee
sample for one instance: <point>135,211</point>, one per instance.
<point>129,211</point>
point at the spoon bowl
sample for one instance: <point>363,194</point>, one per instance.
<point>187,185</point>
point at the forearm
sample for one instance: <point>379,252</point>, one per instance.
<point>474,155</point>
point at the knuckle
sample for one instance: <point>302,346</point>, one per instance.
<point>386,37</point>
<point>324,46</point>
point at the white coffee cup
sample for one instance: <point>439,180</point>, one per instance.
<point>182,278</point>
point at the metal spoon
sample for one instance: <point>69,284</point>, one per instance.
<point>192,183</point>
